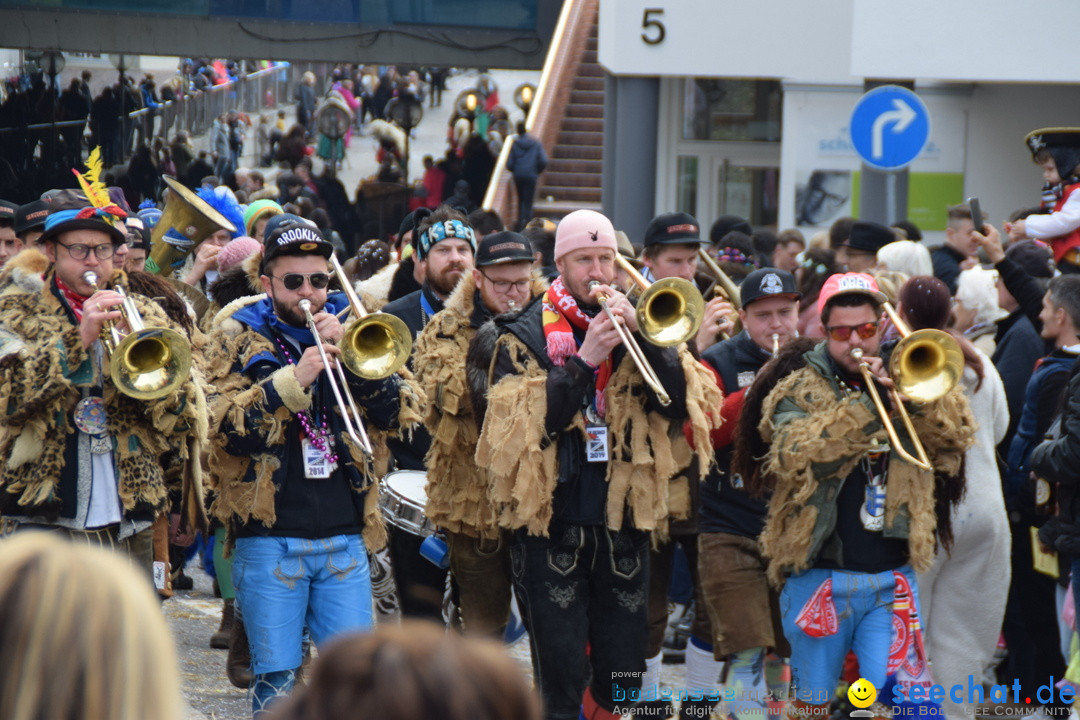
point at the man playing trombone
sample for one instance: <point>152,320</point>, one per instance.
<point>578,436</point>
<point>295,483</point>
<point>849,521</point>
<point>82,455</point>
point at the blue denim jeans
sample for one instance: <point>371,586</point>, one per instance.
<point>584,585</point>
<point>863,604</point>
<point>283,584</point>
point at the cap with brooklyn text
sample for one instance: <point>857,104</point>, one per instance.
<point>846,284</point>
<point>674,228</point>
<point>288,234</point>
<point>503,247</point>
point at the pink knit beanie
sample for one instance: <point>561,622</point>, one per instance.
<point>236,251</point>
<point>584,229</point>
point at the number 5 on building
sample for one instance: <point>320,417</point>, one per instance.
<point>650,21</point>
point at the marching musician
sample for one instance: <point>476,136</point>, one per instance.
<point>580,453</point>
<point>294,491</point>
<point>444,245</point>
<point>671,249</point>
<point>82,458</point>
<point>849,521</point>
<point>502,281</point>
<point>735,592</point>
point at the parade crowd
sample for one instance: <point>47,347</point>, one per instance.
<point>467,425</point>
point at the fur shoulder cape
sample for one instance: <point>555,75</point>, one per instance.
<point>644,446</point>
<point>23,272</point>
<point>816,437</point>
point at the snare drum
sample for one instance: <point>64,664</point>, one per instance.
<point>402,500</point>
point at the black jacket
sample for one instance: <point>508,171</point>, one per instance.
<point>1057,460</point>
<point>724,505</point>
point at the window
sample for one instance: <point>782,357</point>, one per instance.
<point>731,110</point>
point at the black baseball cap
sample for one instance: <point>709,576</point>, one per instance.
<point>674,228</point>
<point>766,283</point>
<point>7,211</point>
<point>503,247</point>
<point>288,234</point>
<point>31,216</point>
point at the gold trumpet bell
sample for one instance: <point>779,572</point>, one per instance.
<point>376,345</point>
<point>150,363</point>
<point>669,312</point>
<point>926,365</point>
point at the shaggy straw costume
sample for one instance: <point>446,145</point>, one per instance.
<point>233,343</point>
<point>647,450</point>
<point>817,434</point>
<point>42,366</point>
<point>457,486</point>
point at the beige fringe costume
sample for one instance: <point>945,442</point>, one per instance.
<point>646,451</point>
<point>817,435</point>
<point>457,488</point>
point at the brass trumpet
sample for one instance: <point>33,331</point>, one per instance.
<point>925,365</point>
<point>376,345</point>
<point>350,414</point>
<point>725,287</point>
<point>669,311</point>
<point>146,363</point>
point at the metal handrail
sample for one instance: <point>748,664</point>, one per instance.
<point>542,89</point>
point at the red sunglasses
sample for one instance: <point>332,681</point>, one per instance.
<point>841,333</point>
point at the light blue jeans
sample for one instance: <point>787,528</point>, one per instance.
<point>283,584</point>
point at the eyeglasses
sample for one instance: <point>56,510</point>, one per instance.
<point>841,333</point>
<point>505,285</point>
<point>79,251</point>
<point>293,281</point>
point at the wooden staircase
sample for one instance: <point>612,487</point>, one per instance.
<point>569,122</point>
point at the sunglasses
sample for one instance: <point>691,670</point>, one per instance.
<point>293,281</point>
<point>841,333</point>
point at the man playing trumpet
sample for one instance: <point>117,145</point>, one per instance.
<point>580,450</point>
<point>294,491</point>
<point>81,457</point>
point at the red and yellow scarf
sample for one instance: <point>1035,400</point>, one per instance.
<point>560,312</point>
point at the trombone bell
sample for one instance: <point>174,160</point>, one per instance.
<point>926,365</point>
<point>376,346</point>
<point>669,312</point>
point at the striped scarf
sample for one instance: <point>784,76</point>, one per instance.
<point>560,312</point>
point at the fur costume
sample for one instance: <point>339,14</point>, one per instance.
<point>644,445</point>
<point>23,272</point>
<point>42,367</point>
<point>375,291</point>
<point>817,434</point>
<point>235,395</point>
<point>456,487</point>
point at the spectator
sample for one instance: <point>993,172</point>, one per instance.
<point>527,160</point>
<point>81,636</point>
<point>905,256</point>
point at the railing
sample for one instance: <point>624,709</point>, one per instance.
<point>195,110</point>
<point>545,112</point>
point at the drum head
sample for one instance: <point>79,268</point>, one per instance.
<point>408,484</point>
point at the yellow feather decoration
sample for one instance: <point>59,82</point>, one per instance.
<point>91,183</point>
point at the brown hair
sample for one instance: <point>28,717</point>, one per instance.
<point>925,303</point>
<point>81,635</point>
<point>413,671</point>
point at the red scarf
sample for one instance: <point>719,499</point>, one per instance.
<point>560,311</point>
<point>74,300</point>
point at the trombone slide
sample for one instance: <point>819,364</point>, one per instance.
<point>632,347</point>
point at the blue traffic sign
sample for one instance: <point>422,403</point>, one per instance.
<point>889,127</point>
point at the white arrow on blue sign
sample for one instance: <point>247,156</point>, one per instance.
<point>889,127</point>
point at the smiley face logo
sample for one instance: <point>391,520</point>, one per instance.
<point>862,693</point>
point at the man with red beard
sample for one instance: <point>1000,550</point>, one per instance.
<point>444,243</point>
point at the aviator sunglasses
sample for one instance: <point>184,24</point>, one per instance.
<point>840,333</point>
<point>293,281</point>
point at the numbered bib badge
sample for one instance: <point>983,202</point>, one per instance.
<point>316,464</point>
<point>596,443</point>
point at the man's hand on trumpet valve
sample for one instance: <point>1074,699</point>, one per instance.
<point>719,317</point>
<point>311,364</point>
<point>102,306</point>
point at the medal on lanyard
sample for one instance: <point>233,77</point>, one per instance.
<point>89,417</point>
